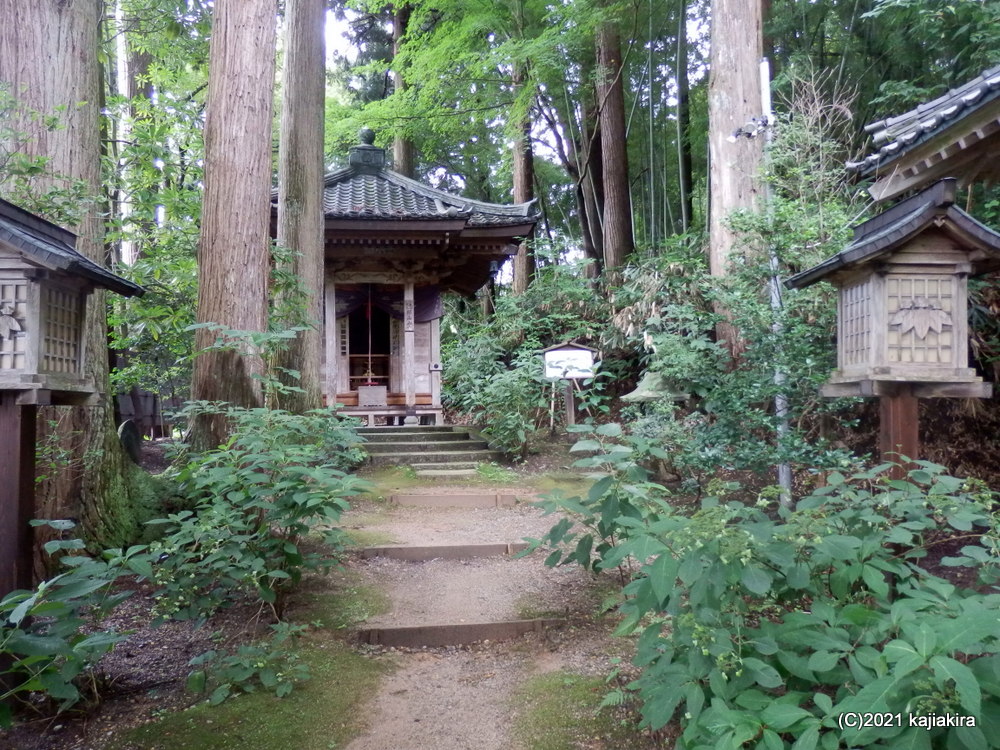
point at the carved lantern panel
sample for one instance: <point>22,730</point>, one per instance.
<point>905,320</point>
<point>41,330</point>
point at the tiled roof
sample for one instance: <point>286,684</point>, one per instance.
<point>367,190</point>
<point>897,225</point>
<point>895,136</point>
<point>52,246</point>
<point>381,194</point>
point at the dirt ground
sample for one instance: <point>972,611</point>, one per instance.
<point>448,698</point>
<point>460,697</point>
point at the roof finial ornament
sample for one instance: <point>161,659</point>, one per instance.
<point>367,136</point>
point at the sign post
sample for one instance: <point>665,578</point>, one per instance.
<point>569,362</point>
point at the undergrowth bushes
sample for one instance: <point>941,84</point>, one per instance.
<point>761,626</point>
<point>265,508</point>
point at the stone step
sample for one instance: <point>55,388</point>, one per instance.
<point>407,458</point>
<point>442,551</point>
<point>428,428</point>
<point>378,438</point>
<point>500,499</point>
<point>446,473</point>
<point>426,446</point>
<point>455,634</point>
<point>430,465</point>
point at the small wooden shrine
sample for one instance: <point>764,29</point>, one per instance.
<point>393,246</point>
<point>902,300</point>
<point>44,283</point>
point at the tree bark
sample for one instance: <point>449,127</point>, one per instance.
<point>233,250</point>
<point>402,147</point>
<point>617,229</point>
<point>734,98</point>
<point>300,189</point>
<point>523,159</point>
<point>685,170</point>
<point>48,54</point>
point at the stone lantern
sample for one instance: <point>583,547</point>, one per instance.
<point>44,283</point>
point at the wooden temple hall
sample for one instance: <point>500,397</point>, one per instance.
<point>393,246</point>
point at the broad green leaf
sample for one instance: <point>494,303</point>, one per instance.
<point>764,674</point>
<point>823,661</point>
<point>972,738</point>
<point>782,716</point>
<point>808,740</point>
<point>196,681</point>
<point>915,738</point>
<point>756,580</point>
<point>965,681</point>
<point>663,576</point>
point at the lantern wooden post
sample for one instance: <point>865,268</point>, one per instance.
<point>17,491</point>
<point>899,429</point>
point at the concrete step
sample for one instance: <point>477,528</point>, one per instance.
<point>407,458</point>
<point>378,438</point>
<point>428,429</point>
<point>446,473</point>
<point>424,465</point>
<point>443,551</point>
<point>455,634</point>
<point>426,446</point>
<point>496,499</point>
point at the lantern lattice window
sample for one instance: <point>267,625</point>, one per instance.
<point>63,314</point>
<point>920,323</point>
<point>855,333</point>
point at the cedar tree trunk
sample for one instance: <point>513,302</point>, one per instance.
<point>234,246</point>
<point>524,190</point>
<point>48,55</point>
<point>733,99</point>
<point>402,147</point>
<point>618,242</point>
<point>300,188</point>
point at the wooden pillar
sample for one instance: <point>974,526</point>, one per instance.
<point>569,399</point>
<point>331,343</point>
<point>899,428</point>
<point>409,348</point>
<point>436,362</point>
<point>17,491</point>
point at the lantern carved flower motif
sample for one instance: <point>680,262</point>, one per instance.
<point>920,316</point>
<point>8,324</point>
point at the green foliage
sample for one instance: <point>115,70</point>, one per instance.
<point>280,477</point>
<point>47,642</point>
<point>273,665</point>
<point>27,180</point>
<point>761,625</point>
<point>494,370</point>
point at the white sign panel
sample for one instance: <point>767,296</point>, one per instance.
<point>569,363</point>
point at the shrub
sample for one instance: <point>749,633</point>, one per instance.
<point>280,477</point>
<point>760,626</point>
<point>47,642</point>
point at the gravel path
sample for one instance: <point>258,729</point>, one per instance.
<point>460,698</point>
